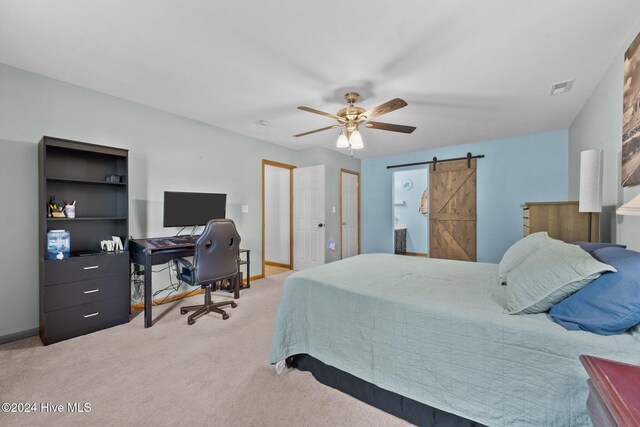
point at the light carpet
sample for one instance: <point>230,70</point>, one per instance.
<point>215,372</point>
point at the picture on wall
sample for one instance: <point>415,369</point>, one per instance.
<point>631,116</point>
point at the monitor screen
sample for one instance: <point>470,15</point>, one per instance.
<point>186,209</point>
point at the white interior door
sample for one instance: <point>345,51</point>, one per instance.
<point>349,214</point>
<point>308,217</point>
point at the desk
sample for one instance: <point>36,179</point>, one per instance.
<point>246,262</point>
<point>148,253</point>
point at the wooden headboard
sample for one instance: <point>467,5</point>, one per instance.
<point>561,220</point>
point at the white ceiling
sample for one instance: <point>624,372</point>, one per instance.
<point>470,69</point>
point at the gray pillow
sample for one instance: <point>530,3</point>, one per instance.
<point>550,275</point>
<point>519,252</point>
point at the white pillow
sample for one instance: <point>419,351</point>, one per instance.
<point>550,275</point>
<point>519,252</point>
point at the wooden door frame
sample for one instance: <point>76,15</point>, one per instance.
<point>358,175</point>
<point>290,168</point>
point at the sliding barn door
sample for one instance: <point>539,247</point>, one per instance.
<point>453,210</point>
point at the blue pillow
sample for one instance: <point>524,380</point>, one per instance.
<point>591,247</point>
<point>610,304</point>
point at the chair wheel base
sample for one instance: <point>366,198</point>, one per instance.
<point>234,305</point>
<point>191,321</point>
<point>183,312</point>
<point>225,316</point>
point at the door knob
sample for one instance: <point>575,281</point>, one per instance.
<point>321,225</point>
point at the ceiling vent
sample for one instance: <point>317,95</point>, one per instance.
<point>561,87</point>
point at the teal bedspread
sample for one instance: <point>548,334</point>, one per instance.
<point>436,331</point>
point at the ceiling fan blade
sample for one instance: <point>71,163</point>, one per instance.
<point>322,113</point>
<point>390,126</point>
<point>387,107</point>
<point>317,130</point>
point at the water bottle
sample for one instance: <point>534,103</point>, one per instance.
<point>65,244</point>
<point>58,244</point>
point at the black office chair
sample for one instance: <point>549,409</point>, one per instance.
<point>215,258</point>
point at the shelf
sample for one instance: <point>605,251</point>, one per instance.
<point>73,170</point>
<point>92,218</point>
<point>85,181</point>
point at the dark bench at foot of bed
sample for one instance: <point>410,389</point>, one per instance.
<point>402,407</point>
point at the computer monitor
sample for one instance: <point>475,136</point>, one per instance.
<point>190,209</point>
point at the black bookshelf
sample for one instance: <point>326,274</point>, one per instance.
<point>82,294</point>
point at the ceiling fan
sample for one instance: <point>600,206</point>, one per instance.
<point>352,116</point>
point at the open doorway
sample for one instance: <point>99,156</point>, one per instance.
<point>411,212</point>
<point>277,217</point>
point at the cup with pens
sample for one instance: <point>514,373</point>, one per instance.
<point>70,209</point>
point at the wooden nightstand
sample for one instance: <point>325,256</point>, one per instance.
<point>614,392</point>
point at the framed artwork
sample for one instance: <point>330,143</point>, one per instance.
<point>631,116</point>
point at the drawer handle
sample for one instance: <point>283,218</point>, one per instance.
<point>91,267</point>
<point>92,314</point>
<point>91,291</point>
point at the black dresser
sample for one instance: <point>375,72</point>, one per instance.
<point>89,290</point>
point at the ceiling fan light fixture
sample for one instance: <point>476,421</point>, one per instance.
<point>342,142</point>
<point>350,117</point>
<point>355,140</point>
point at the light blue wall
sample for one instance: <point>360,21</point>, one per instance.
<point>599,125</point>
<point>166,152</point>
<point>409,212</point>
<point>527,168</point>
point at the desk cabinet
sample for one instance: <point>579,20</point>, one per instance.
<point>82,294</point>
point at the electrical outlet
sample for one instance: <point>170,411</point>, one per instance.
<point>245,208</point>
<point>333,209</point>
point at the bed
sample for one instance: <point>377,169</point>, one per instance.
<point>436,331</point>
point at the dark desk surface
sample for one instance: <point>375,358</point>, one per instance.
<point>149,252</point>
<point>151,244</point>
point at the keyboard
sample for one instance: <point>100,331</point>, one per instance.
<point>180,240</point>
<point>174,241</point>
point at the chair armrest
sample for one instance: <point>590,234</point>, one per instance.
<point>180,262</point>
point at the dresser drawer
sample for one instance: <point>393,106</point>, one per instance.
<point>525,221</point>
<point>75,269</point>
<point>525,213</point>
<point>66,295</point>
<point>86,318</point>
<point>525,231</point>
